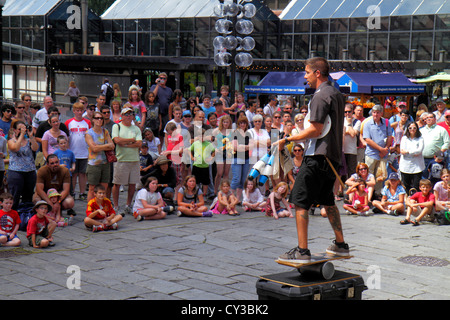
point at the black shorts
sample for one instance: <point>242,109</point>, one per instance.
<point>201,175</point>
<point>314,183</point>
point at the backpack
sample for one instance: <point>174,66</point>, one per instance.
<point>442,217</point>
<point>25,211</point>
<point>109,93</point>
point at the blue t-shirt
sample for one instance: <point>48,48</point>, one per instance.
<point>4,128</point>
<point>163,97</point>
<point>66,158</point>
<point>393,197</point>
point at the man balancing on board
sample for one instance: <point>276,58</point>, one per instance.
<point>316,176</point>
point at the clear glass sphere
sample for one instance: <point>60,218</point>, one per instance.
<point>218,43</point>
<point>249,10</point>
<point>223,59</point>
<point>223,26</point>
<point>244,26</point>
<point>243,59</point>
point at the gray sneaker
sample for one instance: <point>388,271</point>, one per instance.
<point>338,249</point>
<point>128,210</point>
<point>296,255</point>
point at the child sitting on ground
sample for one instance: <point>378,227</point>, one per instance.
<point>273,206</point>
<point>252,197</point>
<point>435,167</point>
<point>360,198</point>
<point>190,199</point>
<point>393,197</point>
<point>419,204</point>
<point>441,191</point>
<point>39,228</point>
<point>226,200</point>
<point>100,214</point>
<point>53,215</point>
<point>148,204</point>
<point>9,222</point>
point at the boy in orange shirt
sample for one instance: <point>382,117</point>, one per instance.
<point>100,214</point>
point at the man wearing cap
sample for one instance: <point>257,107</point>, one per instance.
<point>128,140</point>
<point>186,120</point>
<point>377,133</point>
<point>436,138</point>
<point>166,175</point>
<point>396,117</point>
<point>440,112</point>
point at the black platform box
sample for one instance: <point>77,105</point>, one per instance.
<point>293,286</point>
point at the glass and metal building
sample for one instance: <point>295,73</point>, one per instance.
<point>368,30</point>
<point>42,41</point>
<point>32,31</point>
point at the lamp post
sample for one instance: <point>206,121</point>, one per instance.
<point>233,44</point>
<point>2,4</point>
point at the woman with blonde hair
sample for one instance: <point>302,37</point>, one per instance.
<point>223,156</point>
<point>73,92</point>
<point>116,111</point>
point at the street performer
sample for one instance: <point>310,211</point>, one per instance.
<point>317,174</point>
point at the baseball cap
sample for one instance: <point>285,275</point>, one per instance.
<point>187,113</point>
<point>394,176</point>
<point>126,109</point>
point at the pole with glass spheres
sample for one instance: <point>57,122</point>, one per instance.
<point>233,44</point>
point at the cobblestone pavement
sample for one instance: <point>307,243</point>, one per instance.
<point>220,258</point>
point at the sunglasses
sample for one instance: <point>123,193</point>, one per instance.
<point>98,118</point>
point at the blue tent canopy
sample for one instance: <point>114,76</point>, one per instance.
<point>379,83</point>
<point>282,83</point>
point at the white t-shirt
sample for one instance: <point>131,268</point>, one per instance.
<point>77,140</point>
<point>40,116</point>
<point>258,152</point>
<point>349,143</point>
<point>150,197</point>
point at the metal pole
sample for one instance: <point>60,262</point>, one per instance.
<point>84,25</point>
<point>233,64</point>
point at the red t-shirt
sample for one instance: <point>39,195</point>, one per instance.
<point>174,143</point>
<point>8,221</point>
<point>420,198</point>
<point>36,225</point>
<point>444,125</point>
<point>106,206</point>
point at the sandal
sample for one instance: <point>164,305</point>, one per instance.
<point>405,221</point>
<point>415,223</point>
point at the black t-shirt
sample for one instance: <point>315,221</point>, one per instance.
<point>327,100</point>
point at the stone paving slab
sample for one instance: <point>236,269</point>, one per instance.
<point>218,258</point>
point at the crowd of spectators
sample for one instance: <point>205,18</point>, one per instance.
<point>193,157</point>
